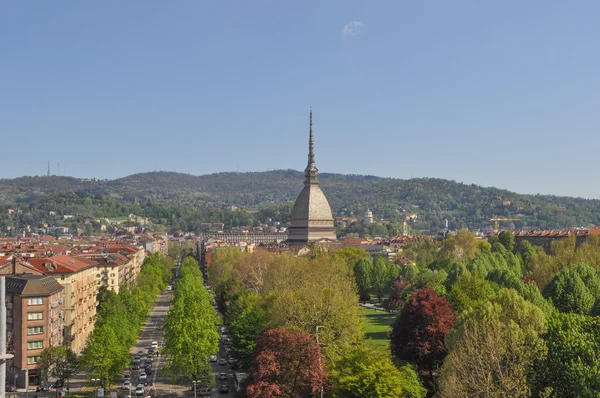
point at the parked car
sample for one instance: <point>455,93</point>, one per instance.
<point>222,361</point>
<point>213,358</point>
<point>136,366</point>
<point>204,391</point>
<point>127,376</point>
<point>43,387</point>
<point>224,389</point>
<point>139,390</point>
<point>126,385</point>
<point>149,371</point>
<point>223,376</point>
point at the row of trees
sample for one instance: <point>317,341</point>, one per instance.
<point>120,318</point>
<point>191,335</point>
<point>295,323</point>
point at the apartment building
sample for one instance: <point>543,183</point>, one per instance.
<point>77,275</point>
<point>34,322</point>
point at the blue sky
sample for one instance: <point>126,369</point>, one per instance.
<point>500,93</point>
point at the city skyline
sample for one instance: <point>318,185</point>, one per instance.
<point>496,95</point>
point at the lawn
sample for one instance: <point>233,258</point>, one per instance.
<point>377,325</point>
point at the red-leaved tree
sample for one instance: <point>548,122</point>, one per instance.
<point>287,363</point>
<point>419,330</point>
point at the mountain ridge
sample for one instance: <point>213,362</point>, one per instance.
<point>432,199</point>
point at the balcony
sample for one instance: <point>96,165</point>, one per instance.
<point>9,306</point>
<point>54,304</point>
<point>9,319</point>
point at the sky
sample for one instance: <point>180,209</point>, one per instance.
<point>503,93</point>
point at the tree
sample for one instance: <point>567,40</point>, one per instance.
<point>460,248</point>
<point>245,320</point>
<point>286,364</point>
<point>470,292</point>
<point>572,367</point>
<point>493,349</point>
<point>59,362</point>
<point>315,295</point>
<point>366,370</point>
<point>419,330</point>
<point>574,289</point>
<point>507,239</point>
<point>383,276</point>
<point>363,272</point>
<point>104,355</point>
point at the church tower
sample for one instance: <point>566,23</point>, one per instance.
<point>311,214</point>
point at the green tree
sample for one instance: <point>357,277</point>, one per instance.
<point>470,292</point>
<point>245,320</point>
<point>492,349</point>
<point>574,289</point>
<point>507,239</point>
<point>59,362</point>
<point>104,355</point>
<point>572,368</point>
<point>363,272</point>
<point>366,370</point>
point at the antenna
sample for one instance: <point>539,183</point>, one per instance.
<point>48,168</point>
<point>58,173</point>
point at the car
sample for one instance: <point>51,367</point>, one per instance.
<point>140,353</point>
<point>149,371</point>
<point>43,387</point>
<point>223,376</point>
<point>136,366</point>
<point>204,391</point>
<point>126,385</point>
<point>213,358</point>
<point>143,376</point>
<point>136,358</point>
<point>224,389</point>
<point>58,383</point>
<point>126,376</point>
<point>222,361</point>
<point>139,390</point>
<point>154,344</point>
<point>232,361</point>
<point>169,287</point>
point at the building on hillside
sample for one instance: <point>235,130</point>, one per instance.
<point>368,218</point>
<point>252,238</point>
<point>545,238</point>
<point>34,305</point>
<point>311,215</point>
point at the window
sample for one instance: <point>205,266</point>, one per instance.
<point>98,275</point>
<point>112,281</point>
<point>35,301</point>
<point>35,359</point>
<point>35,345</point>
<point>35,330</point>
<point>35,316</point>
<point>112,275</point>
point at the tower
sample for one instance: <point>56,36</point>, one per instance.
<point>311,214</point>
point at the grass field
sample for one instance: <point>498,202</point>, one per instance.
<point>377,325</point>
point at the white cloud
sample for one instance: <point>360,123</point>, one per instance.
<point>351,29</point>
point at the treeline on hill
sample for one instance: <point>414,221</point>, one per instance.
<point>164,216</point>
<point>432,200</point>
<point>474,318</point>
<point>120,318</point>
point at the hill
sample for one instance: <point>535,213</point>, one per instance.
<point>431,199</point>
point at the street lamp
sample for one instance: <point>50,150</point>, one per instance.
<point>195,383</point>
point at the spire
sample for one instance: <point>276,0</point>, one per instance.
<point>311,169</point>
